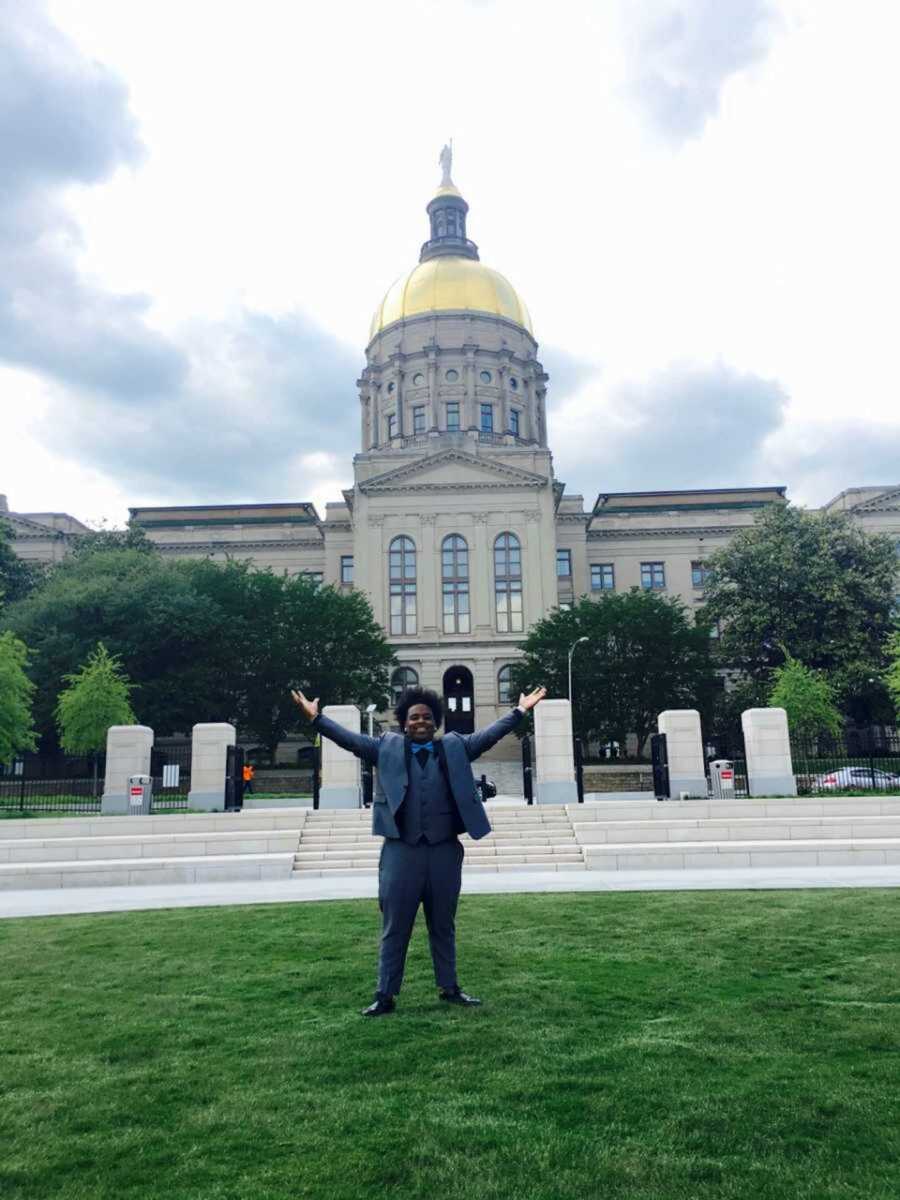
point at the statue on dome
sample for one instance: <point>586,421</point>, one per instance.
<point>446,162</point>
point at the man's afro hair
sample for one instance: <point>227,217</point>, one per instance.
<point>418,695</point>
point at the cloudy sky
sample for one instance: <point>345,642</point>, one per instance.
<point>201,204</point>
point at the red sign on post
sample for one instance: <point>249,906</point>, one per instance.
<point>137,793</point>
<point>728,774</point>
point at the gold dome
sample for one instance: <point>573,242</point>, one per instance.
<point>450,283</point>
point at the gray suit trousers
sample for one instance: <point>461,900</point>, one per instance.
<point>407,877</point>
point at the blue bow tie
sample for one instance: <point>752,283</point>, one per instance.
<point>417,746</point>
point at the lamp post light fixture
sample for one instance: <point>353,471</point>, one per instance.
<point>370,711</point>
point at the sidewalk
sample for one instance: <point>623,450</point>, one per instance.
<point>57,902</point>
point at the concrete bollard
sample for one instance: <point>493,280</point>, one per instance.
<point>554,753</point>
<point>209,752</point>
<point>767,742</point>
<point>128,749</point>
<point>684,747</point>
<point>340,785</point>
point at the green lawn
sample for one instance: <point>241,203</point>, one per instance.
<point>667,1046</point>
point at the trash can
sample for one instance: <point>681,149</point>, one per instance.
<point>721,778</point>
<point>140,793</point>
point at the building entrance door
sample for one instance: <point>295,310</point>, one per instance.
<point>459,700</point>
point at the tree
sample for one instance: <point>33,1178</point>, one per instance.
<point>204,641</point>
<point>16,689</point>
<point>892,675</point>
<point>811,585</point>
<point>807,698</point>
<point>17,577</point>
<point>96,697</point>
<point>292,632</point>
<point>644,655</point>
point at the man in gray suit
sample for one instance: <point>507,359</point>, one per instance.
<point>424,797</point>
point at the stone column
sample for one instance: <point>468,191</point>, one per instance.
<point>340,783</point>
<point>209,751</point>
<point>684,745</point>
<point>434,416</point>
<point>127,753</point>
<point>767,742</point>
<point>554,753</point>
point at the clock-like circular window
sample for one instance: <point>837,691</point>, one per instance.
<point>419,379</point>
<point>452,376</point>
<point>485,377</point>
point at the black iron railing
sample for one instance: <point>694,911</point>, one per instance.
<point>866,761</point>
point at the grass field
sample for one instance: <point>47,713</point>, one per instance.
<point>662,1046</point>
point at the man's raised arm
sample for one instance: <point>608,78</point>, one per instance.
<point>480,741</point>
<point>357,743</point>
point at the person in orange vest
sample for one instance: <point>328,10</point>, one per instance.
<point>248,778</point>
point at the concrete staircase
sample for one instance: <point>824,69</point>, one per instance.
<point>523,839</point>
<point>174,848</point>
<point>612,835</point>
<point>677,835</point>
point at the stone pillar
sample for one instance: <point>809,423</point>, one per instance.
<point>209,751</point>
<point>554,753</point>
<point>340,785</point>
<point>767,743</point>
<point>684,745</point>
<point>127,753</point>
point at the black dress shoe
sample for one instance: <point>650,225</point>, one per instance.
<point>380,1006</point>
<point>457,996</point>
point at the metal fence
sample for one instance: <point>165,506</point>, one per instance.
<point>170,767</point>
<point>729,745</point>
<point>857,761</point>
<point>54,783</point>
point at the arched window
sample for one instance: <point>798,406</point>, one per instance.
<point>504,685</point>
<point>402,678</point>
<point>508,583</point>
<point>402,566</point>
<point>455,584</point>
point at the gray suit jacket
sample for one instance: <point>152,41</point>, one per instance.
<point>388,754</point>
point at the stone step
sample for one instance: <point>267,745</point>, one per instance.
<point>765,829</point>
<point>812,852</point>
<point>144,871</point>
<point>167,845</point>
<point>358,861</point>
<point>521,839</point>
<point>802,806</point>
<point>472,852</point>
<point>160,823</point>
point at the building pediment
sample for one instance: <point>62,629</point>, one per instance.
<point>887,501</point>
<point>450,471</point>
<point>23,527</point>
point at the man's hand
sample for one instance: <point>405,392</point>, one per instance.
<point>533,698</point>
<point>309,708</point>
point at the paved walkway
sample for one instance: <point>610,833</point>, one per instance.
<point>56,901</point>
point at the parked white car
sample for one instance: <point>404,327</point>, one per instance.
<point>856,777</point>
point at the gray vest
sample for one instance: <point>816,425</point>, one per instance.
<point>429,810</point>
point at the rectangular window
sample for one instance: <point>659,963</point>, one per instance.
<point>514,416</point>
<point>391,425</point>
<point>564,564</point>
<point>487,418</point>
<point>315,577</point>
<point>653,576</point>
<point>453,415</point>
<point>346,568</point>
<point>603,577</point>
<point>699,574</point>
<point>419,419</point>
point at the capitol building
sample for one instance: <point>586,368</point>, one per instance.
<point>456,526</point>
